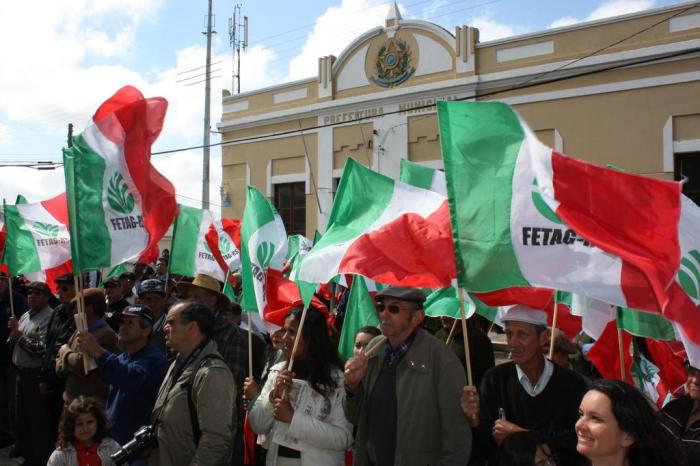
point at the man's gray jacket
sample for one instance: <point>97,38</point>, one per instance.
<point>430,427</point>
<point>213,394</point>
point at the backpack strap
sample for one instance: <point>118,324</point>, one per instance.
<point>194,421</point>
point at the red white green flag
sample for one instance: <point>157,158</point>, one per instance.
<point>549,219</point>
<point>385,230</point>
<point>524,215</point>
<point>224,242</point>
<point>263,253</point>
<point>190,253</point>
<point>38,235</point>
<point>119,204</point>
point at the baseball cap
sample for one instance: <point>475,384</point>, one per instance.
<point>112,281</point>
<point>39,286</point>
<point>152,285</point>
<point>139,310</point>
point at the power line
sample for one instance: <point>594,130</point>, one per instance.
<point>527,84</point>
<point>486,94</point>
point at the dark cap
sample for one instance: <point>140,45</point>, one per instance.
<point>111,281</point>
<point>139,310</point>
<point>130,275</point>
<point>94,297</point>
<point>412,295</point>
<point>152,285</point>
<point>67,279</point>
<point>39,286</point>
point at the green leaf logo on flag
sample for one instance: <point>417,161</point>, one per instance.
<point>45,229</point>
<point>118,195</point>
<point>542,206</point>
<point>689,274</point>
<point>224,245</point>
<point>264,253</point>
<point>646,370</point>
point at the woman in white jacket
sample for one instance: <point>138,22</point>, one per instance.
<point>303,410</point>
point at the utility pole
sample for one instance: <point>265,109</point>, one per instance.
<point>235,27</point>
<point>207,114</point>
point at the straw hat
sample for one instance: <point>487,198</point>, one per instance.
<point>204,282</point>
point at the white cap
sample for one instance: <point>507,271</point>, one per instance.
<point>520,313</point>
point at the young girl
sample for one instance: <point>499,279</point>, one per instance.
<point>82,436</point>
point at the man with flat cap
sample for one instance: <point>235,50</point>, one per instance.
<point>134,376</point>
<point>528,393</point>
<point>404,397</point>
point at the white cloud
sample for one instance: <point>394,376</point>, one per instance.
<point>5,136</point>
<point>489,29</point>
<point>561,22</point>
<point>619,7</point>
<point>607,9</point>
<point>184,170</point>
<point>35,185</point>
<point>333,31</point>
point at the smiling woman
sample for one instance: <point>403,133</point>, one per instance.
<point>618,426</point>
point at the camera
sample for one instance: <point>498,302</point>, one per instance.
<point>144,439</point>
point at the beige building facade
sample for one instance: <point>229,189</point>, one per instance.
<point>622,91</point>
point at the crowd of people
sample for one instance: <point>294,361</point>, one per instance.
<point>162,376</point>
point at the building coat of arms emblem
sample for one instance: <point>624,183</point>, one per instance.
<point>394,64</point>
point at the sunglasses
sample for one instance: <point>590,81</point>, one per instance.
<point>392,308</point>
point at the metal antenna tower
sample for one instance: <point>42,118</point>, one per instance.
<point>236,29</point>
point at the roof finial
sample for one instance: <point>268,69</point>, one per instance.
<point>394,15</point>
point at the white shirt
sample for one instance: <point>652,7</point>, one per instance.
<point>541,383</point>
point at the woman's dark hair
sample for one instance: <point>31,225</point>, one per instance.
<point>653,445</point>
<point>374,331</point>
<point>519,449</point>
<point>81,405</point>
<point>321,354</point>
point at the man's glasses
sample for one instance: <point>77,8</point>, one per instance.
<point>392,308</point>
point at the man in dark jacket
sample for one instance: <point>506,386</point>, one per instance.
<point>134,375</point>
<point>529,393</point>
<point>404,400</point>
<point>59,330</point>
<point>8,375</point>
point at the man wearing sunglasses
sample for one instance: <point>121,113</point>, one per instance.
<point>27,335</point>
<point>59,330</point>
<point>404,398</point>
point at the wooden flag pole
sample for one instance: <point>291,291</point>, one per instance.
<point>553,336</point>
<point>465,338</point>
<point>296,339</point>
<point>9,272</point>
<point>452,333</point>
<point>80,320</point>
<point>250,347</point>
<point>12,300</point>
<point>622,353</point>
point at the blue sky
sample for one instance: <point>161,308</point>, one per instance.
<point>62,58</point>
